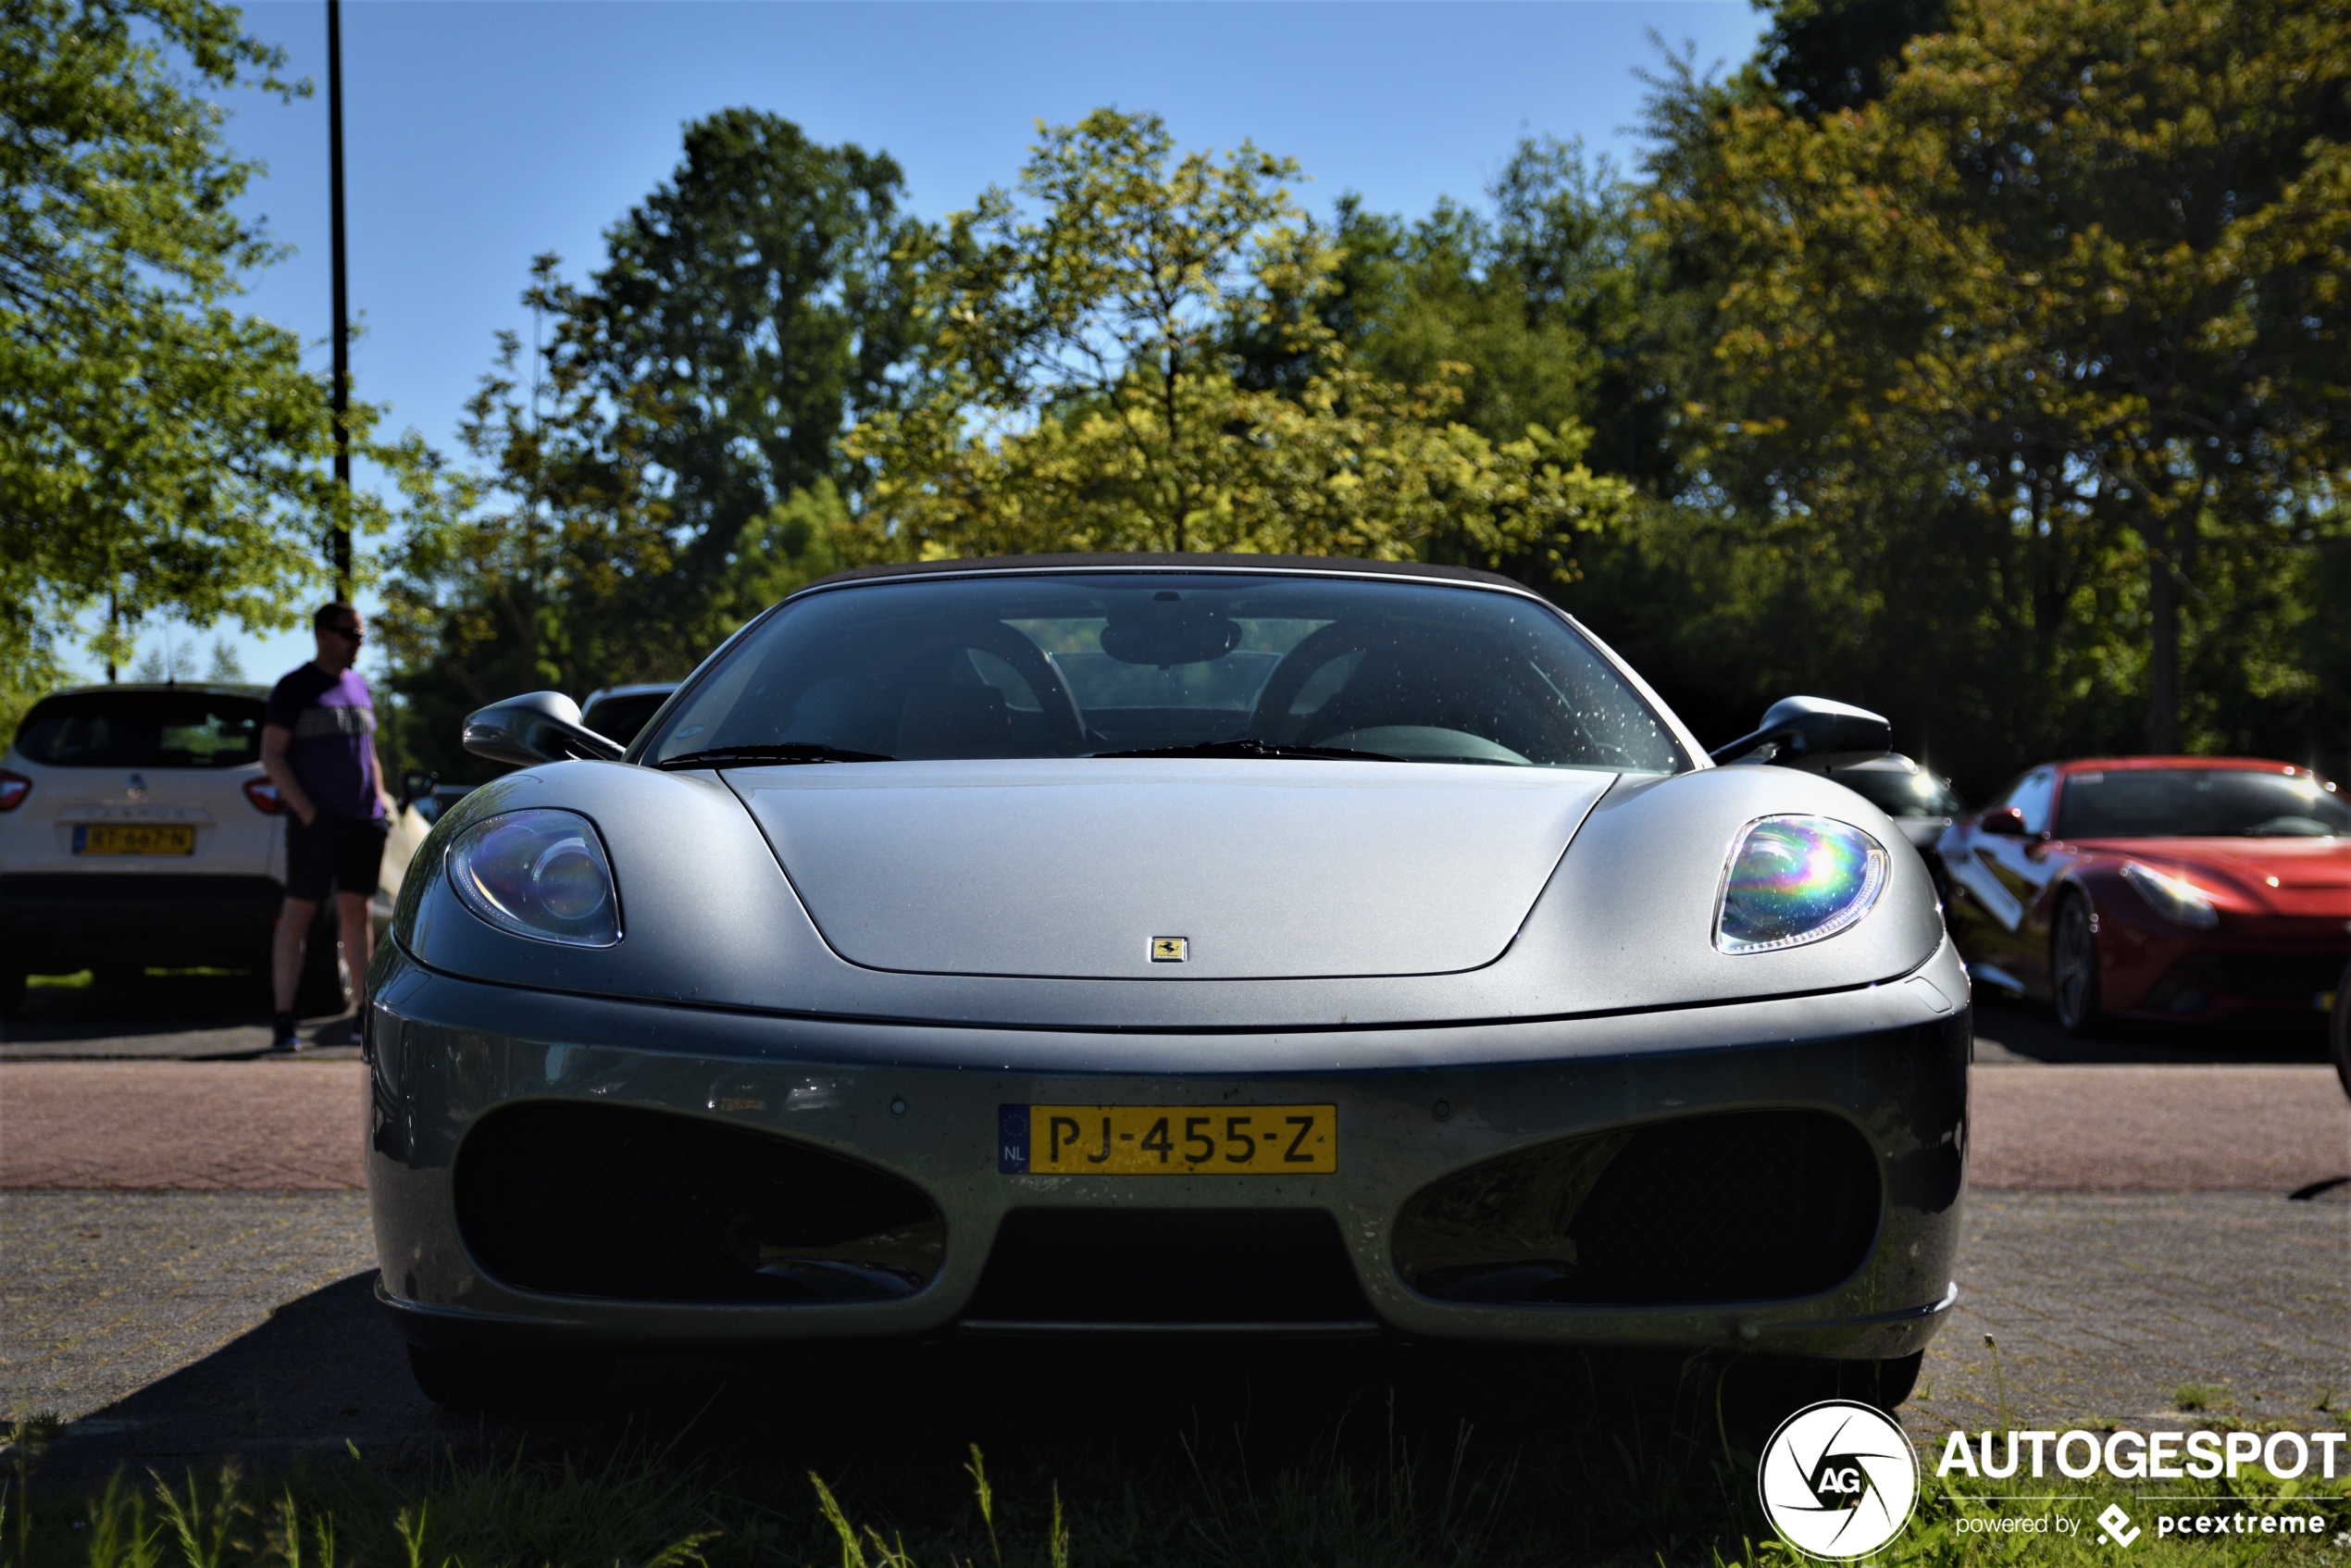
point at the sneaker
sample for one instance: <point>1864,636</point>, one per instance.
<point>282,1037</point>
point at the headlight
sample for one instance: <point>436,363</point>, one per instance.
<point>2181,903</point>
<point>1796,879</point>
<point>539,874</point>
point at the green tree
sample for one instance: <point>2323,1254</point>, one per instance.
<point>1822,56</point>
<point>748,308</point>
<point>1538,300</point>
<point>666,463</point>
<point>2031,356</point>
<point>523,571</point>
<point>1092,387</point>
<point>159,453</point>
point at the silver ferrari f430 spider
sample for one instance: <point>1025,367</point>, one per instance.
<point>1165,943</point>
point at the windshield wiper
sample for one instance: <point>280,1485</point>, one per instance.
<point>1246,747</point>
<point>751,756</point>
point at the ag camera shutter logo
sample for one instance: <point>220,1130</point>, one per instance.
<point>1838,1480</point>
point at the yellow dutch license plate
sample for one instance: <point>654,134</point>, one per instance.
<point>134,838</point>
<point>1168,1139</point>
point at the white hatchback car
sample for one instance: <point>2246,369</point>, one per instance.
<point>137,832</point>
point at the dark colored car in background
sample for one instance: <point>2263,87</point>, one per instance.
<point>2157,887</point>
<point>1921,802</point>
<point>620,711</point>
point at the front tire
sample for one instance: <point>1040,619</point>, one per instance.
<point>2073,970</point>
<point>517,1385</point>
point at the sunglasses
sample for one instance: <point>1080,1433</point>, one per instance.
<point>352,632</point>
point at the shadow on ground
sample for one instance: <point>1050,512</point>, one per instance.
<point>220,1015</point>
<point>327,1378</point>
<point>2019,1029</point>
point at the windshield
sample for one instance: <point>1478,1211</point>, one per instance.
<point>1082,664</point>
<point>1901,793</point>
<point>2200,803</point>
<point>143,729</point>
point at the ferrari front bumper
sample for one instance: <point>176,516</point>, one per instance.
<point>919,1108</point>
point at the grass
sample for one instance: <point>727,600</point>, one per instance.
<point>83,979</point>
<point>2200,1396</point>
<point>1364,1500</point>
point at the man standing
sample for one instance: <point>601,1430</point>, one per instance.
<point>318,747</point>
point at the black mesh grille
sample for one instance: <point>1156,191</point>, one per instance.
<point>1169,1266</point>
<point>1747,1206</point>
<point>611,1200</point>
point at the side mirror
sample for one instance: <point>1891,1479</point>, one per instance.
<point>1806,729</point>
<point>536,727</point>
<point>2005,821</point>
<point>416,785</point>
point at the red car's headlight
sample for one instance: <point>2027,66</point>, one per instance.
<point>2174,898</point>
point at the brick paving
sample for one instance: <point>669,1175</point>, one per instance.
<point>2183,1129</point>
<point>295,1124</point>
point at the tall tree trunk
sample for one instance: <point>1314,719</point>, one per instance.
<point>2163,643</point>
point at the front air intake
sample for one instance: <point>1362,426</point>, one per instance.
<point>1746,1206</point>
<point>1275,1268</point>
<point>628,1204</point>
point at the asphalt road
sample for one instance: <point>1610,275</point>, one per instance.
<point>184,1257</point>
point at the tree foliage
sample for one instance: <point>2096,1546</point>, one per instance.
<point>1090,386</point>
<point>642,479</point>
<point>159,453</point>
<point>2022,387</point>
<point>1822,56</point>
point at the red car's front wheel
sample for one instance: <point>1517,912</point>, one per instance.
<point>2073,967</point>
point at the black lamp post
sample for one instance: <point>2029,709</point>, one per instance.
<point>340,541</point>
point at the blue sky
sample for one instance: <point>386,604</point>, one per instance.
<point>480,134</point>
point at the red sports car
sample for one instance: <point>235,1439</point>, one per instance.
<point>2180,888</point>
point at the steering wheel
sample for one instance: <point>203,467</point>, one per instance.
<point>1299,666</point>
<point>993,637</point>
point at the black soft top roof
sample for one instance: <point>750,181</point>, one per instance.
<point>1170,561</point>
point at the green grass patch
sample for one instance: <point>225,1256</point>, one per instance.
<point>1599,1498</point>
<point>2200,1396</point>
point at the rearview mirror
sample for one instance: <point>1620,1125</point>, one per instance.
<point>535,728</point>
<point>1808,731</point>
<point>416,785</point>
<point>2008,821</point>
<point>1167,632</point>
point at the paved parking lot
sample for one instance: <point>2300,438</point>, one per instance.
<point>184,1255</point>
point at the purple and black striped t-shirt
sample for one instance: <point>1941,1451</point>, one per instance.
<point>333,751</point>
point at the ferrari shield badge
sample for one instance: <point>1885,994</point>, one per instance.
<point>1170,950</point>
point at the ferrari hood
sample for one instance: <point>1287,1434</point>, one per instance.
<point>1110,869</point>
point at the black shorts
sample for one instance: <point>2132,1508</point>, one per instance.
<point>333,851</point>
